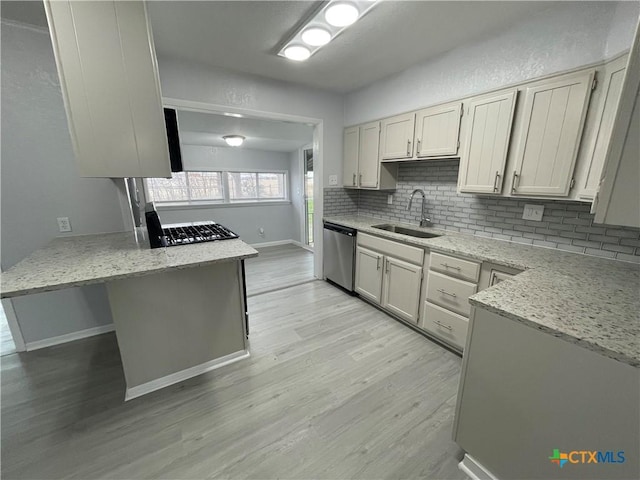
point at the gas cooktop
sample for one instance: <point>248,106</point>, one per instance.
<point>197,232</point>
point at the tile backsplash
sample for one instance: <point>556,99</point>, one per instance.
<point>565,225</point>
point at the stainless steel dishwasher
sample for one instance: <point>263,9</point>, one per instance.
<point>339,244</point>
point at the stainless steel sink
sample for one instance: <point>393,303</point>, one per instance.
<point>406,231</point>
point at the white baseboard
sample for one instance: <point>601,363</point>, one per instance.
<point>272,244</point>
<point>474,469</point>
<point>182,375</point>
<point>69,337</point>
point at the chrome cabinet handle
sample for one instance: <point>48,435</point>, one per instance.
<point>516,177</point>
<point>360,180</point>
<point>387,267</point>
<point>408,148</point>
<point>495,182</point>
<point>418,147</point>
<point>447,293</point>
<point>442,325</point>
<point>446,265</point>
<point>378,263</point>
<point>354,179</point>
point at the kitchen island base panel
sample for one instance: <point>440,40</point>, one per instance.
<point>524,393</point>
<point>177,322</point>
<point>474,470</point>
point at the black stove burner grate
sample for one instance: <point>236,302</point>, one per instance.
<point>183,235</point>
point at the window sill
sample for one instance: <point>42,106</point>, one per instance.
<point>195,206</point>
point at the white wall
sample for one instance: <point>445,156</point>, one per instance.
<point>39,183</point>
<point>278,221</point>
<point>564,36</point>
<point>186,80</point>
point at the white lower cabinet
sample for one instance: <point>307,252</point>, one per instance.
<point>444,324</point>
<point>369,274</point>
<point>401,291</point>
<point>390,275</point>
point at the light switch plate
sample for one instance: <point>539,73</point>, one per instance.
<point>333,180</point>
<point>533,212</point>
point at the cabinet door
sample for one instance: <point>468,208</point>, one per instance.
<point>369,274</point>
<point>396,139</point>
<point>368,161</point>
<point>484,153</point>
<point>612,87</point>
<point>401,291</point>
<point>553,119</point>
<point>350,156</point>
<point>111,89</point>
<point>437,130</point>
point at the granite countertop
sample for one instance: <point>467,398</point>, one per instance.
<point>88,259</point>
<point>589,301</point>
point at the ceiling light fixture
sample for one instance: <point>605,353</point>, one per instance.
<point>341,14</point>
<point>323,26</point>
<point>233,140</point>
<point>316,36</point>
<point>297,53</point>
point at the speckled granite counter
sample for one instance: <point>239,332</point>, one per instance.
<point>88,259</point>
<point>588,301</point>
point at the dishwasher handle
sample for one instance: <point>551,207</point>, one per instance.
<point>340,229</point>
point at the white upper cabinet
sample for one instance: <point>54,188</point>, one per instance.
<point>109,77</point>
<point>484,153</point>
<point>437,130</point>
<point>553,116</point>
<point>617,200</point>
<point>368,161</point>
<point>611,81</point>
<point>396,138</point>
<point>351,145</point>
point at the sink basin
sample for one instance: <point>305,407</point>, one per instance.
<point>406,231</point>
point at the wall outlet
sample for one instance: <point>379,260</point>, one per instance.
<point>390,199</point>
<point>533,212</point>
<point>261,232</point>
<point>333,179</point>
<point>64,225</point>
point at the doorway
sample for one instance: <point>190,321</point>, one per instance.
<point>307,156</point>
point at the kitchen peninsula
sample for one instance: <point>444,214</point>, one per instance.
<point>178,312</point>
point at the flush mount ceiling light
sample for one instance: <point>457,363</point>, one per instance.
<point>233,140</point>
<point>341,14</point>
<point>322,26</point>
<point>316,36</point>
<point>297,53</point>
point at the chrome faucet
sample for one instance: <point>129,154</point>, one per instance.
<point>424,221</point>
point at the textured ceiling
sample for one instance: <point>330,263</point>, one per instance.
<point>207,129</point>
<point>244,36</point>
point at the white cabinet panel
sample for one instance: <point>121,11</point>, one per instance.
<point>109,78</point>
<point>351,145</point>
<point>437,130</point>
<point>484,154</point>
<point>396,138</point>
<point>369,274</point>
<point>368,161</point>
<point>553,118</point>
<point>597,151</point>
<point>450,293</point>
<point>402,288</point>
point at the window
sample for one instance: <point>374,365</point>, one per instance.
<point>218,187</point>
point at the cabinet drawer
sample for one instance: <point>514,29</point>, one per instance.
<point>450,293</point>
<point>444,324</point>
<point>388,247</point>
<point>464,269</point>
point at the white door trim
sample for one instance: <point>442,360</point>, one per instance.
<point>14,326</point>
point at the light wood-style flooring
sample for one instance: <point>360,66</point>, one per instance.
<point>334,388</point>
<point>278,267</point>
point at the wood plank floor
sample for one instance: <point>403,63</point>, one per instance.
<point>278,267</point>
<point>334,388</point>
